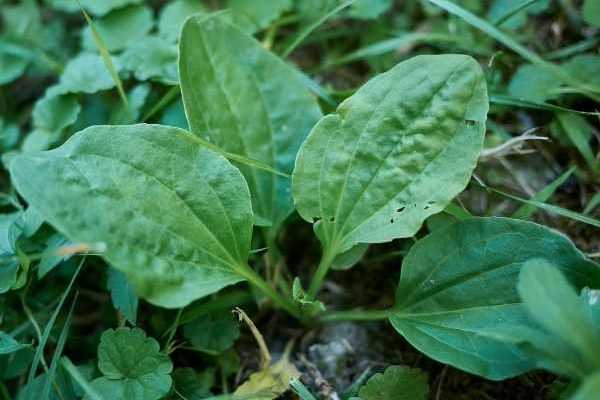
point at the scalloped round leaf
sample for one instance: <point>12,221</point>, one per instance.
<point>397,151</point>
<point>249,102</point>
<point>213,333</point>
<point>457,300</point>
<point>133,366</point>
<point>179,218</point>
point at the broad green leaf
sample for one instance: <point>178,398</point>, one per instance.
<point>457,300</point>
<point>51,257</point>
<point>554,304</point>
<point>591,12</point>
<point>122,295</point>
<point>85,73</point>
<point>589,389</point>
<point>180,220</point>
<point>247,101</point>
<point>95,7</point>
<point>132,366</point>
<point>8,344</point>
<point>396,383</point>
<point>152,58</point>
<point>349,258</point>
<point>173,15</point>
<point>397,151</point>
<point>534,83</point>
<point>213,333</point>
<point>255,15</point>
<point>369,9</point>
<point>120,28</point>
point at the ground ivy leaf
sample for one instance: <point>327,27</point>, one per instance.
<point>444,305</point>
<point>247,101</point>
<point>132,365</point>
<point>174,14</point>
<point>120,28</point>
<point>394,153</point>
<point>396,383</point>
<point>213,333</point>
<point>180,217</point>
<point>152,58</point>
<point>122,295</point>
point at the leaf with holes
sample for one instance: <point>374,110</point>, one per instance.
<point>249,102</point>
<point>457,300</point>
<point>394,153</point>
<point>180,217</point>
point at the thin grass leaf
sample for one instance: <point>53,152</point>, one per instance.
<point>573,49</point>
<point>457,211</point>
<point>504,100</point>
<point>563,212</point>
<point>393,44</point>
<point>575,128</point>
<point>48,328</point>
<point>514,11</point>
<point>301,390</point>
<point>526,210</point>
<point>164,101</point>
<point>106,58</point>
<point>80,379</point>
<point>60,345</point>
<point>310,28</point>
<point>236,157</point>
<point>484,26</point>
<point>593,203</point>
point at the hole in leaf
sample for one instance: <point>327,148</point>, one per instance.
<point>469,122</point>
<point>392,221</point>
<point>316,219</point>
<point>332,219</point>
<point>399,210</point>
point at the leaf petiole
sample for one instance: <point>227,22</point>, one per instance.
<point>324,265</point>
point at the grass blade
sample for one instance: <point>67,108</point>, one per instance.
<point>80,379</point>
<point>48,328</point>
<point>106,58</point>
<point>301,390</point>
<point>310,28</point>
<point>563,212</point>
<point>60,345</point>
<point>526,210</point>
<point>504,100</point>
<point>489,29</point>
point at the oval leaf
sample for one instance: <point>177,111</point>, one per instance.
<point>394,153</point>
<point>173,215</point>
<point>249,102</point>
<point>457,300</point>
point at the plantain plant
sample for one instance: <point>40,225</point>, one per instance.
<point>176,210</point>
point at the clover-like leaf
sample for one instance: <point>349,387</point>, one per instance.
<point>396,383</point>
<point>249,102</point>
<point>132,365</point>
<point>171,214</point>
<point>394,153</point>
<point>457,300</point>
